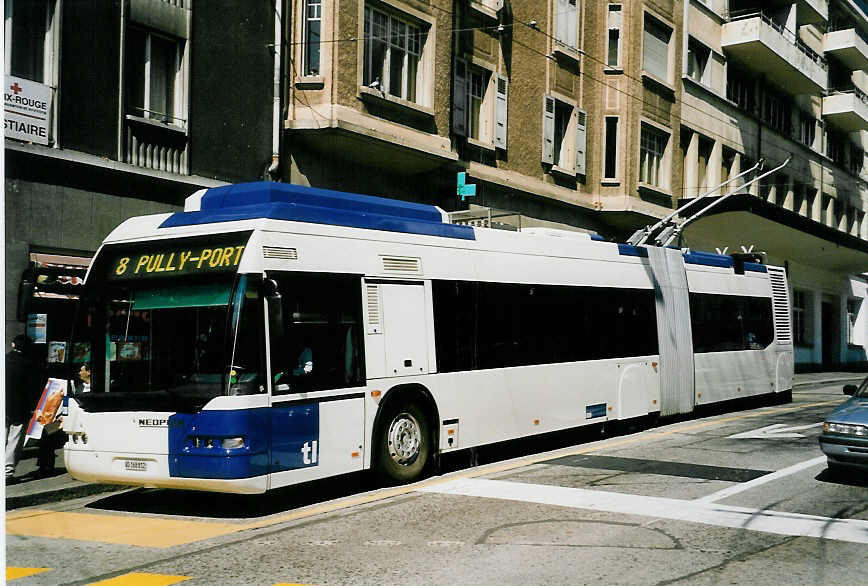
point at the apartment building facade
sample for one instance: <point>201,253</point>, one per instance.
<point>603,117</point>
<point>592,116</point>
<point>116,109</point>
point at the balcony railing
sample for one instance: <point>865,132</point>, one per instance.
<point>849,90</point>
<point>786,33</point>
<point>155,145</point>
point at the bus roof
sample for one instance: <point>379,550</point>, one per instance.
<point>285,201</point>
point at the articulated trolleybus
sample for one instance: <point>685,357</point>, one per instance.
<point>273,334</point>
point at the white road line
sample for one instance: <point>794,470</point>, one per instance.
<point>852,530</point>
<point>741,487</point>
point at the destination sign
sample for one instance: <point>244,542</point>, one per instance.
<point>179,260</point>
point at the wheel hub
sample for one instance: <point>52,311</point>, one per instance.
<point>405,439</point>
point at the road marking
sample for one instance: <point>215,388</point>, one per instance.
<point>125,530</point>
<point>141,579</point>
<point>727,492</point>
<point>15,573</point>
<point>775,431</point>
<point>29,522</point>
<point>852,530</point>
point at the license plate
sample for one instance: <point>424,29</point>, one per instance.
<point>135,466</point>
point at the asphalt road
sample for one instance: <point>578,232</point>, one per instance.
<point>737,497</point>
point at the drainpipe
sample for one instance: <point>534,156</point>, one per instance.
<point>275,125</point>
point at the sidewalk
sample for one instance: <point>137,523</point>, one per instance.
<point>32,491</point>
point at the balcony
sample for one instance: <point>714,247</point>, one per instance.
<point>813,11</point>
<point>155,145</point>
<point>846,109</point>
<point>769,48</point>
<point>848,46</point>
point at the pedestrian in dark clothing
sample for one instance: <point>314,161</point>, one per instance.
<point>23,387</point>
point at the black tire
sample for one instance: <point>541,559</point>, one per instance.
<point>403,443</point>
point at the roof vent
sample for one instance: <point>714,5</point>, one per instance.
<point>279,252</point>
<point>403,265</point>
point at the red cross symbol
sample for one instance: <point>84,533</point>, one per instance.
<point>15,88</point>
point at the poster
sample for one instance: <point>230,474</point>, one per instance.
<point>129,351</point>
<point>36,323</point>
<point>47,408</point>
<point>80,352</point>
<point>56,352</point>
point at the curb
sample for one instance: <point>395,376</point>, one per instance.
<point>60,494</point>
<point>855,377</point>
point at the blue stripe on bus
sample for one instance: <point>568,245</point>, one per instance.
<point>708,259</point>
<point>293,443</point>
<point>280,201</point>
<point>630,250</point>
<point>755,267</point>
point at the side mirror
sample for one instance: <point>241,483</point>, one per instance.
<point>850,389</point>
<point>275,309</point>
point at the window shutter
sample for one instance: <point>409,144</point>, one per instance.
<point>561,18</point>
<point>581,141</point>
<point>500,110</point>
<point>548,130</point>
<point>655,57</point>
<point>459,98</point>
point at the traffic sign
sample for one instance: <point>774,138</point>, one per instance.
<point>465,190</point>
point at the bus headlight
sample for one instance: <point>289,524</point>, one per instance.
<point>230,443</point>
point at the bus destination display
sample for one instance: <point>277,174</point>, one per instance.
<point>176,261</point>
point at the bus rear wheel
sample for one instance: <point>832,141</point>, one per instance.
<point>404,444</point>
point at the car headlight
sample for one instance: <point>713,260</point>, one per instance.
<point>845,429</point>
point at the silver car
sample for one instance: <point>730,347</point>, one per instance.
<point>845,432</point>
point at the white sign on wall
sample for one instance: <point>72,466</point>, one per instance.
<point>26,105</point>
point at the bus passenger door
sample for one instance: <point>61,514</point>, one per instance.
<point>397,328</point>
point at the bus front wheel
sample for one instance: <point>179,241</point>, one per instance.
<point>404,444</point>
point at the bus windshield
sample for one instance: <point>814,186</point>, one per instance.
<point>193,339</point>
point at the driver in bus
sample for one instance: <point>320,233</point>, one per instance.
<point>304,363</point>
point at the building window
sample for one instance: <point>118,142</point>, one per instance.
<point>655,50</point>
<point>610,164</point>
<point>697,62</point>
<point>477,120</point>
<point>652,147</point>
<point>567,22</point>
<point>613,51</point>
<point>778,113</point>
<point>153,77</point>
<point>853,305</point>
<point>564,136</point>
<point>393,51</point>
<point>835,147</point>
<point>29,37</point>
<point>312,32</point>
<point>740,89</point>
<point>803,318</point>
<point>479,109</point>
<point>807,129</point>
<point>563,114</point>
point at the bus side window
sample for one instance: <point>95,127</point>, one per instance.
<point>321,348</point>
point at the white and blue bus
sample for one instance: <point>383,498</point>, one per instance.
<point>273,334</point>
